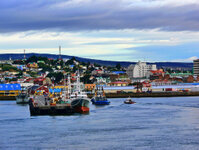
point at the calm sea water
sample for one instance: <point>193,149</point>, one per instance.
<point>151,123</point>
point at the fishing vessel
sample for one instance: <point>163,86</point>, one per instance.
<point>99,97</point>
<point>79,99</point>
<point>73,100</point>
<point>23,97</point>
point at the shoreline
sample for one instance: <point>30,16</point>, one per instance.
<point>153,94</point>
<point>126,95</point>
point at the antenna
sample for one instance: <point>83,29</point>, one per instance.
<point>24,54</point>
<point>59,52</point>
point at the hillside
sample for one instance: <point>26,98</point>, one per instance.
<point>101,62</point>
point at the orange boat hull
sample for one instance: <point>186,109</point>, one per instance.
<point>82,109</point>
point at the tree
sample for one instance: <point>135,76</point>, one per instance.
<point>9,68</point>
<point>56,77</point>
<point>118,66</point>
<point>74,69</point>
<point>39,58</point>
<point>32,59</point>
<point>45,67</point>
<point>97,65</point>
<point>86,79</point>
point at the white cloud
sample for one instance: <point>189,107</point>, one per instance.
<point>190,59</point>
<point>102,44</point>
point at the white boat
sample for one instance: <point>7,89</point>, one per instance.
<point>79,99</point>
<point>129,101</point>
<point>23,97</point>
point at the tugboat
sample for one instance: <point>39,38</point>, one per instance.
<point>129,101</point>
<point>99,97</point>
<point>23,97</point>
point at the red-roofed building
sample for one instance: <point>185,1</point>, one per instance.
<point>29,80</point>
<point>156,74</point>
<point>146,84</point>
<point>40,81</point>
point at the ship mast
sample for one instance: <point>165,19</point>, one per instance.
<point>78,83</point>
<point>69,86</point>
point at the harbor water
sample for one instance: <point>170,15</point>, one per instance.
<point>152,123</point>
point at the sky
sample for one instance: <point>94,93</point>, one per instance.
<point>119,30</point>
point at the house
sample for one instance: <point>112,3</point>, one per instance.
<point>118,83</point>
<point>189,79</point>
<point>98,71</point>
<point>90,87</point>
<point>32,65</point>
<point>40,81</point>
<point>41,61</point>
<point>155,74</point>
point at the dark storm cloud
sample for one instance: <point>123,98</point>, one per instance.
<point>78,15</point>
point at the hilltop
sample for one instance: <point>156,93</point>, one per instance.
<point>184,65</point>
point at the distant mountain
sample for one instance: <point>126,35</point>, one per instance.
<point>187,66</point>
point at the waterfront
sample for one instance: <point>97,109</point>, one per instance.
<point>151,123</point>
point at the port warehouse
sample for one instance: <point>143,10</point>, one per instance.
<point>181,87</point>
<point>10,89</point>
<point>14,89</point>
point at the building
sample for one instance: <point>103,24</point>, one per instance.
<point>32,65</point>
<point>118,83</point>
<point>196,67</point>
<point>140,70</point>
<point>98,71</point>
<point>9,89</point>
<point>155,74</point>
<point>90,87</point>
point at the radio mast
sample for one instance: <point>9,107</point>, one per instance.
<point>59,52</point>
<point>24,54</point>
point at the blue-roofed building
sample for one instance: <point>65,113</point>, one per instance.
<point>10,89</point>
<point>118,72</point>
<point>71,66</point>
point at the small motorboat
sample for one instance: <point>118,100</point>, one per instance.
<point>129,101</point>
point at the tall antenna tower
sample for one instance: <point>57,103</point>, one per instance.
<point>59,52</point>
<point>24,54</point>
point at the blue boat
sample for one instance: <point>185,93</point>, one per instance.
<point>99,98</point>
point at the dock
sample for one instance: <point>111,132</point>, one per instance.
<point>7,98</point>
<point>145,94</point>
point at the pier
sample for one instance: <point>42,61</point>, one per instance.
<point>153,94</point>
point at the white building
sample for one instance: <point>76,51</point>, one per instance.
<point>140,70</point>
<point>196,67</point>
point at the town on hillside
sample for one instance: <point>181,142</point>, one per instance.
<point>142,76</point>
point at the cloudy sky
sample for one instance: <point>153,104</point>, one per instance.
<point>121,30</point>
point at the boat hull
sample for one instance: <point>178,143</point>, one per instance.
<point>100,101</point>
<point>37,107</point>
<point>22,99</point>
<point>126,102</point>
<point>80,105</point>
